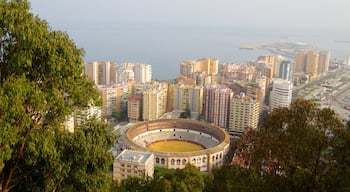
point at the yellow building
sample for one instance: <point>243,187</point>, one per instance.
<point>194,68</point>
<point>188,96</point>
<point>133,164</point>
<point>154,102</point>
<point>244,113</point>
<point>312,59</point>
<point>300,62</point>
<point>323,63</point>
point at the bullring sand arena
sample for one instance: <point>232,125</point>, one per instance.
<point>176,142</point>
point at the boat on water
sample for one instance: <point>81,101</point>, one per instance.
<point>247,47</point>
<point>342,41</point>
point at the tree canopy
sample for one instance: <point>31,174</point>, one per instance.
<point>41,82</point>
<point>296,148</point>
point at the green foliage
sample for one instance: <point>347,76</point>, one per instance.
<point>41,82</point>
<point>186,114</point>
<point>181,180</point>
<point>160,172</point>
<point>233,178</point>
<point>294,148</point>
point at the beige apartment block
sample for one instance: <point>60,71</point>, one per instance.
<point>188,96</point>
<point>312,62</point>
<point>131,163</point>
<point>206,67</point>
<point>244,113</point>
<point>114,97</point>
<point>323,62</point>
<point>312,59</point>
<point>154,102</point>
<point>135,108</point>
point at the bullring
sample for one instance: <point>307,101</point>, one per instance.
<point>214,140</point>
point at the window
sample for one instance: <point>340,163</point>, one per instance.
<point>123,165</point>
<point>157,160</point>
<point>173,162</point>
<point>178,162</point>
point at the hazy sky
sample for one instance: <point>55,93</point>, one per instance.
<point>264,13</point>
<point>162,32</point>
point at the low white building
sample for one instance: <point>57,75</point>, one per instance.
<point>133,164</point>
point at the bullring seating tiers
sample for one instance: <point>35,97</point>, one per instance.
<point>205,140</point>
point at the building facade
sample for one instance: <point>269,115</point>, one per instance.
<point>244,113</point>
<point>286,71</point>
<point>102,73</point>
<point>216,104</point>
<point>201,68</point>
<point>187,96</point>
<point>281,94</point>
<point>135,108</point>
<point>131,163</point>
<point>154,102</point>
<point>114,98</point>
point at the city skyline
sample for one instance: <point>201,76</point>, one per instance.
<point>165,33</point>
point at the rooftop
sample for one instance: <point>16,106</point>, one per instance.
<point>133,156</point>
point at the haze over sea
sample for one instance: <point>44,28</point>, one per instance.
<point>164,33</point>
<point>165,48</point>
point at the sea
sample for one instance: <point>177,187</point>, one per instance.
<point>165,47</point>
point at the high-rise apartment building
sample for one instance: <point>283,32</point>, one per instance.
<point>281,94</point>
<point>131,163</point>
<point>286,70</point>
<point>143,73</point>
<point>187,96</point>
<point>300,62</point>
<point>244,113</point>
<point>102,73</point>
<point>312,62</point>
<point>312,59</point>
<point>323,63</point>
<point>125,75</point>
<point>272,61</point>
<point>114,98</point>
<point>135,108</point>
<point>154,102</point>
<point>194,68</point>
<point>216,104</point>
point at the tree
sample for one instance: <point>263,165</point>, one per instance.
<point>186,180</point>
<point>41,82</point>
<point>233,178</point>
<point>294,148</point>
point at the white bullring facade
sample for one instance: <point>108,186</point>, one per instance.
<point>213,139</point>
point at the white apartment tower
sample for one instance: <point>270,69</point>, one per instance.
<point>142,73</point>
<point>102,73</point>
<point>281,94</point>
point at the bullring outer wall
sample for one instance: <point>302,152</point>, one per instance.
<point>204,159</point>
